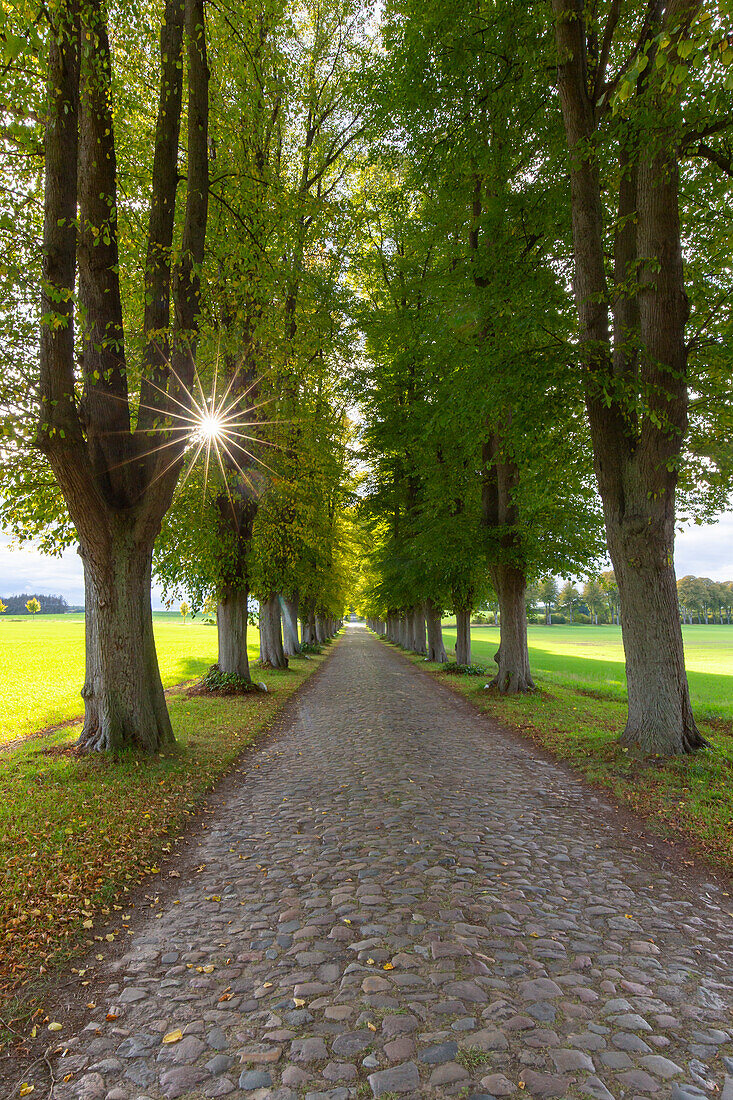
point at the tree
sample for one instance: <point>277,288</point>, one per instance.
<point>3,608</point>
<point>32,606</point>
<point>548,595</point>
<point>609,588</point>
<point>624,85</point>
<point>593,596</point>
<point>113,373</point>
<point>568,597</point>
<point>185,609</point>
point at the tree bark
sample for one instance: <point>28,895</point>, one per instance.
<point>308,625</point>
<point>513,676</point>
<point>463,637</point>
<point>123,694</point>
<point>321,635</point>
<point>418,630</point>
<point>271,642</point>
<point>117,483</point>
<point>231,623</point>
<point>436,648</point>
<point>289,607</point>
<point>636,453</point>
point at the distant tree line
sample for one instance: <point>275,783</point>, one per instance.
<point>705,601</point>
<point>50,605</point>
<point>701,600</point>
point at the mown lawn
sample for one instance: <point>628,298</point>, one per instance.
<point>578,714</point>
<point>591,658</point>
<point>42,665</point>
<point>77,833</point>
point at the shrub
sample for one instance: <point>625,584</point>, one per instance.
<point>465,670</point>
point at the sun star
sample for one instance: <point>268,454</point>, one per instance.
<point>210,428</point>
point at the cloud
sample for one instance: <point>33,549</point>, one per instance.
<point>706,551</point>
<point>27,570</point>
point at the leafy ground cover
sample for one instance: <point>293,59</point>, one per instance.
<point>578,714</point>
<point>76,834</point>
<point>42,665</point>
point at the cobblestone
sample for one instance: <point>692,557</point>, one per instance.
<point>400,899</point>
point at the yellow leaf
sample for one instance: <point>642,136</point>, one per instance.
<point>370,962</point>
<point>372,1027</point>
<point>521,1084</point>
<point>388,966</point>
<point>87,924</point>
<point>54,1026</point>
<point>173,1036</point>
<point>298,1002</point>
<point>26,1090</point>
<point>208,969</point>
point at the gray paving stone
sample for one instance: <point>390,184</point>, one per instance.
<point>441,1052</point>
<point>402,1078</point>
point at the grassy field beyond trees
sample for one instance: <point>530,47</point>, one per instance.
<point>42,665</point>
<point>591,659</point>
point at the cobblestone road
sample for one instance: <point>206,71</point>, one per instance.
<point>400,901</point>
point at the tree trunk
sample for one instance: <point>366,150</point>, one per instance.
<point>231,625</point>
<point>123,693</point>
<point>289,609</point>
<point>660,715</point>
<point>271,643</point>
<point>418,630</point>
<point>321,635</point>
<point>463,637</point>
<point>308,624</point>
<point>514,676</point>
<point>436,649</point>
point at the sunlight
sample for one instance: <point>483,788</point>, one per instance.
<point>210,428</point>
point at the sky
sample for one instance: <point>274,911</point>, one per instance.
<point>705,551</point>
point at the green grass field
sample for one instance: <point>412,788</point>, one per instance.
<point>591,659</point>
<point>42,665</point>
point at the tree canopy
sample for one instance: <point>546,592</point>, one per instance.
<point>410,306</point>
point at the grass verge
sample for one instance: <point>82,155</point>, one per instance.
<point>78,833</point>
<point>686,798</point>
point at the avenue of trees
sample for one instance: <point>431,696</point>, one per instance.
<point>486,245</point>
<point>545,277</point>
<point>181,256</point>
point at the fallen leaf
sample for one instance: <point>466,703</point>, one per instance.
<point>388,966</point>
<point>26,1090</point>
<point>173,1036</point>
<point>371,1026</point>
<point>87,924</point>
<point>298,1002</point>
<point>54,1026</point>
